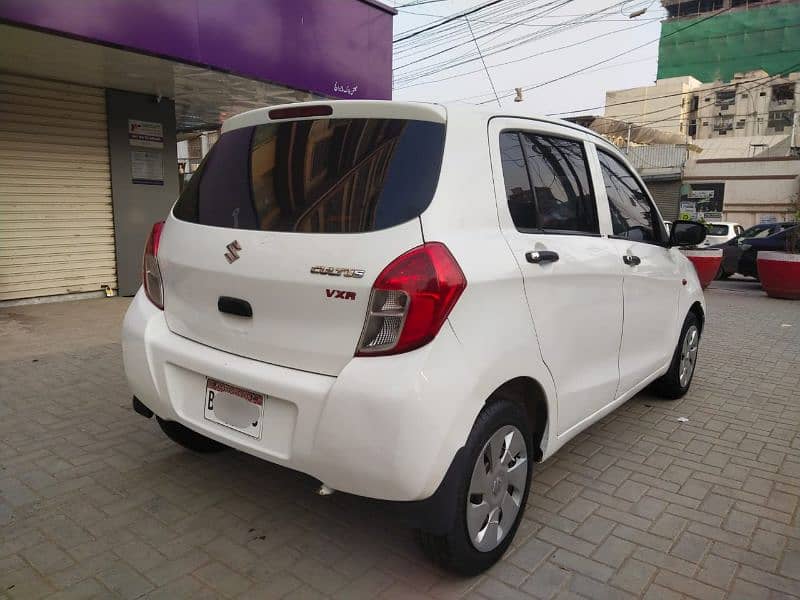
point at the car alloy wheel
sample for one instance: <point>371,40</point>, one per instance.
<point>497,488</point>
<point>691,342</point>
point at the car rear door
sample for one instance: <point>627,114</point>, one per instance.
<point>272,249</point>
<point>652,277</point>
<point>572,275</point>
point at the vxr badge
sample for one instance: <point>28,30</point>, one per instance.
<point>233,251</point>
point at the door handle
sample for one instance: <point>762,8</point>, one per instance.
<point>234,306</point>
<point>538,257</point>
<point>631,260</point>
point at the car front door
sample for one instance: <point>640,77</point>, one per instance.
<point>572,275</point>
<point>652,278</point>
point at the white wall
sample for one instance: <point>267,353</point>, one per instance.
<point>646,106</point>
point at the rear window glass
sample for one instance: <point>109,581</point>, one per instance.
<point>717,230</point>
<point>317,176</point>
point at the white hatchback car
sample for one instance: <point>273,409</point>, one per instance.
<point>719,233</point>
<point>412,303</point>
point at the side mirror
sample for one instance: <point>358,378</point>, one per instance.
<point>687,233</point>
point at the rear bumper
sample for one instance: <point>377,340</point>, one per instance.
<point>387,427</point>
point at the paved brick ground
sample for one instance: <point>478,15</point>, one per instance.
<point>94,501</point>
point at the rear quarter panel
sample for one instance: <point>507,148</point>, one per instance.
<point>492,319</point>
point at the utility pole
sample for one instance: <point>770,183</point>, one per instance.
<point>628,143</point>
<point>793,149</point>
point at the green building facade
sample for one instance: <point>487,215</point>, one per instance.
<point>712,48</point>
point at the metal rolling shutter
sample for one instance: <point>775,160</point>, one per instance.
<point>667,195</point>
<point>56,221</point>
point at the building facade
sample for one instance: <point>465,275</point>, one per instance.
<point>714,39</point>
<point>95,95</point>
<point>743,135</point>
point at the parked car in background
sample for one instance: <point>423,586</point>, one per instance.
<point>748,262</point>
<point>719,233</point>
<point>732,249</point>
<point>335,292</point>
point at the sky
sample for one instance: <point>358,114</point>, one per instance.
<point>425,66</point>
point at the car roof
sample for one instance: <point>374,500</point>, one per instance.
<point>725,223</point>
<point>409,110</point>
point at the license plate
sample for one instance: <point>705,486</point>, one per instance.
<point>234,407</point>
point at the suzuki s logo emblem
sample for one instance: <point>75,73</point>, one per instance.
<point>233,251</point>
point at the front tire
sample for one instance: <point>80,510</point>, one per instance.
<point>189,439</point>
<point>675,383</point>
<point>491,494</point>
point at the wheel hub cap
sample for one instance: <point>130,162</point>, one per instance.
<point>497,485</point>
<point>496,488</point>
<point>691,342</point>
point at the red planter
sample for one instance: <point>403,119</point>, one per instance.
<point>706,263</point>
<point>779,273</point>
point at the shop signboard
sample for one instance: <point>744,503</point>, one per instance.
<point>688,210</point>
<point>145,134</point>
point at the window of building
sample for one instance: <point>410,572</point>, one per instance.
<point>780,119</point>
<point>547,183</point>
<point>709,5</point>
<point>688,8</point>
<point>633,215</point>
<point>783,93</point>
<point>723,124</point>
<point>725,98</point>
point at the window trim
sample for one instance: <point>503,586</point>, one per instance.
<point>662,229</point>
<point>590,179</point>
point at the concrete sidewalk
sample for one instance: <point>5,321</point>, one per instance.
<point>96,502</point>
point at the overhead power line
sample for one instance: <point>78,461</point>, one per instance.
<point>448,37</point>
<point>671,95</point>
<point>489,75</point>
<point>586,18</point>
<point>527,57</point>
<point>577,110</point>
<point>675,117</point>
<point>448,20</point>
<point>415,3</point>
<point>605,60</point>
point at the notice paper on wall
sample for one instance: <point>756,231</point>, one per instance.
<point>147,167</point>
<point>145,134</point>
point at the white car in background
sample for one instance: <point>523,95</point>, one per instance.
<point>410,302</point>
<point>719,233</point>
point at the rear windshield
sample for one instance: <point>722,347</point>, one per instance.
<point>317,176</point>
<point>717,230</point>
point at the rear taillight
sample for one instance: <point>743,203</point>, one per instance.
<point>411,300</point>
<point>151,274</point>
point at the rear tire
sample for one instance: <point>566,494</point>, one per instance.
<point>482,530</point>
<point>722,274</point>
<point>188,438</point>
<point>675,383</point>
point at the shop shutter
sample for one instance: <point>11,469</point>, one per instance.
<point>56,221</point>
<point>667,195</point>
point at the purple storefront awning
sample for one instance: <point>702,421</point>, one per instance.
<point>336,48</point>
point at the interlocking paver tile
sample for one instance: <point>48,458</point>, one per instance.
<point>95,501</point>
